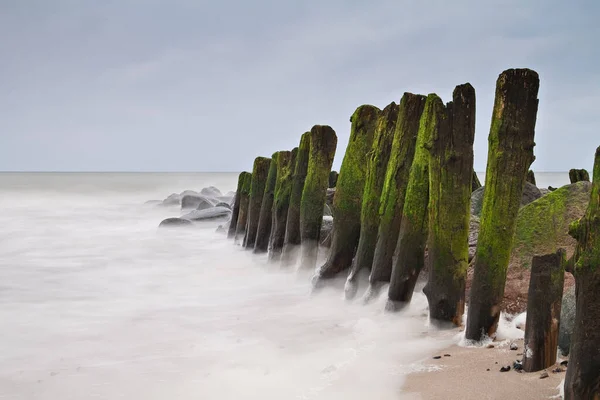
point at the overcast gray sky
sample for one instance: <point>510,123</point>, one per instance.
<point>194,85</point>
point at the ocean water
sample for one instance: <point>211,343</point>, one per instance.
<point>96,303</point>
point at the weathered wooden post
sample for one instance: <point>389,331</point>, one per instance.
<point>323,142</point>
<point>244,195</point>
<point>543,310</point>
<point>291,242</point>
<point>576,175</point>
<point>349,193</point>
<point>333,178</point>
<point>281,201</point>
<point>583,373</point>
<point>409,256</point>
<point>236,206</point>
<point>450,175</point>
<point>510,154</point>
<point>394,189</point>
<point>263,230</point>
<point>377,162</point>
<point>257,190</point>
<point>531,177</point>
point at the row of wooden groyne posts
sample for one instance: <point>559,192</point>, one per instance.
<point>404,191</point>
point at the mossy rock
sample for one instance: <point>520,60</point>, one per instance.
<point>530,193</point>
<point>543,225</point>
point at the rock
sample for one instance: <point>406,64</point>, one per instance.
<point>447,355</point>
<point>211,191</point>
<point>329,197</point>
<point>154,202</point>
<point>174,222</point>
<point>226,205</point>
<point>517,365</point>
<point>530,193</point>
<point>567,321</point>
<point>543,375</point>
<point>557,370</point>
<point>490,346</point>
<point>564,363</point>
<point>552,189</point>
<point>437,357</point>
<point>172,200</point>
<point>513,346</point>
<point>196,202</point>
<point>578,175</point>
<point>473,235</point>
<point>208,214</point>
<point>505,369</point>
<point>326,231</point>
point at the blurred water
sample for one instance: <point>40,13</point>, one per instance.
<point>95,303</point>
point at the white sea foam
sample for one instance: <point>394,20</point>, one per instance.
<point>96,303</point>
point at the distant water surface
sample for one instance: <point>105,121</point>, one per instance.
<point>96,303</point>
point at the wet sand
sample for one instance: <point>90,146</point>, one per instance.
<point>464,375</point>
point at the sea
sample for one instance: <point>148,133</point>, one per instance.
<point>97,303</point>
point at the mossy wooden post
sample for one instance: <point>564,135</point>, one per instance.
<point>236,206</point>
<point>333,178</point>
<point>409,256</point>
<point>377,162</point>
<point>263,230</point>
<point>281,202</point>
<point>543,310</point>
<point>257,190</point>
<point>476,184</point>
<point>510,154</point>
<point>291,241</point>
<point>244,196</point>
<point>531,177</point>
<point>583,373</point>
<point>394,189</point>
<point>349,193</point>
<point>323,142</point>
<point>576,175</point>
<point>450,175</point>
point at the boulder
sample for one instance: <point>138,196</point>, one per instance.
<point>326,231</point>
<point>196,202</point>
<point>211,191</point>
<point>174,222</point>
<point>173,200</point>
<point>567,321</point>
<point>329,197</point>
<point>473,234</point>
<point>212,213</point>
<point>226,205</point>
<point>530,193</point>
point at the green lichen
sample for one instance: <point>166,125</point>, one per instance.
<point>349,191</point>
<point>244,195</point>
<point>257,190</point>
<point>323,142</point>
<point>236,206</point>
<point>265,219</point>
<point>283,188</point>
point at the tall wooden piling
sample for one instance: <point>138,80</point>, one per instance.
<point>257,190</point>
<point>281,201</point>
<point>265,219</point>
<point>244,196</point>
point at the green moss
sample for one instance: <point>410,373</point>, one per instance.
<point>257,190</point>
<point>543,225</point>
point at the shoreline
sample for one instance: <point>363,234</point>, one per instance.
<point>473,373</point>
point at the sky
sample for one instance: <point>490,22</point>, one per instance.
<point>194,85</point>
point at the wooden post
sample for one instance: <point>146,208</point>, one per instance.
<point>510,154</point>
<point>349,194</point>
<point>450,175</point>
<point>265,219</point>
<point>531,177</point>
<point>236,206</point>
<point>377,162</point>
<point>292,226</point>
<point>583,373</point>
<point>576,175</point>
<point>394,189</point>
<point>323,142</point>
<point>257,190</point>
<point>333,178</point>
<point>543,310</point>
<point>244,195</point>
<point>281,201</point>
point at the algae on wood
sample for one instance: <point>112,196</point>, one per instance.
<point>244,196</point>
<point>281,201</point>
<point>582,380</point>
<point>323,142</point>
<point>236,206</point>
<point>576,175</point>
<point>394,189</point>
<point>531,177</point>
<point>409,256</point>
<point>510,154</point>
<point>292,227</point>
<point>450,175</point>
<point>263,230</point>
<point>543,311</point>
<point>377,162</point>
<point>349,193</point>
<point>333,178</point>
<point>257,190</point>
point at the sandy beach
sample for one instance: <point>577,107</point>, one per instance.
<point>473,373</point>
